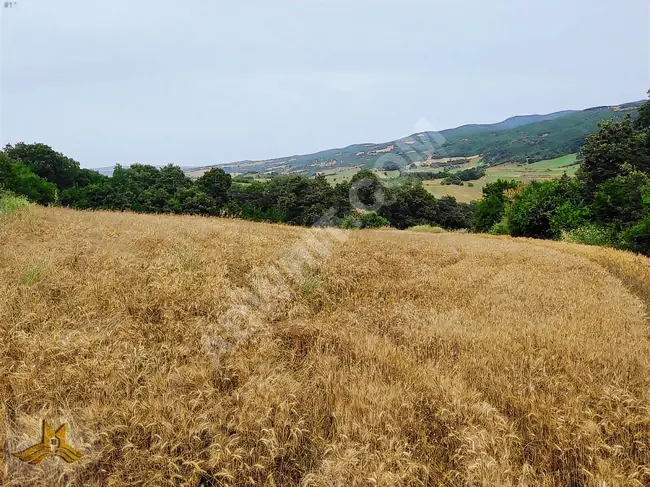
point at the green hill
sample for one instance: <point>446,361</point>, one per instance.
<point>529,138</point>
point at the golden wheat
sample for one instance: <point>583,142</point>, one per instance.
<point>202,352</point>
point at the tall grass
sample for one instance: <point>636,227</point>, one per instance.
<point>427,229</point>
<point>397,360</point>
<point>10,202</point>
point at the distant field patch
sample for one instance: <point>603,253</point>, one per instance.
<point>539,171</point>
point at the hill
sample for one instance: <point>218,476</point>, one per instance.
<point>510,123</point>
<point>518,139</point>
<point>198,351</point>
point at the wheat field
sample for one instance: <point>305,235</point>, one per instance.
<point>187,351</point>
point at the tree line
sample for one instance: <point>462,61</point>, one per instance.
<point>457,178</point>
<point>47,177</point>
<point>607,203</point>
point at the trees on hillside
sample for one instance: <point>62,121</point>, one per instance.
<point>46,163</point>
<point>608,202</point>
<point>606,152</point>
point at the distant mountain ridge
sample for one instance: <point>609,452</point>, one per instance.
<point>522,138</point>
<point>510,123</point>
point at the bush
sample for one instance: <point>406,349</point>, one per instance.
<point>500,228</point>
<point>637,238</point>
<point>590,235</point>
<point>373,220</point>
<point>542,208</point>
<point>569,216</point>
<point>620,200</point>
<point>10,202</point>
<point>364,220</point>
<point>19,179</point>
<point>489,211</point>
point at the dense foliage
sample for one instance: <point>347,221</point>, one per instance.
<point>608,203</point>
<point>448,177</point>
<point>363,202</point>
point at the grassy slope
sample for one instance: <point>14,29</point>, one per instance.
<point>539,141</point>
<point>539,171</point>
<point>403,358</point>
<point>517,139</point>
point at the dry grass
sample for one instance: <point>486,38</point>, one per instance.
<point>427,229</point>
<point>190,351</point>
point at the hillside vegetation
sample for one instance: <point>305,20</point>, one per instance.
<point>183,350</point>
<point>519,139</point>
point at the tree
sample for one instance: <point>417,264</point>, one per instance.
<point>533,211</point>
<point>18,178</point>
<point>193,201</point>
<point>410,205</point>
<point>391,166</point>
<point>491,208</point>
<point>172,178</point>
<point>608,150</point>
<point>215,183</point>
<point>46,163</point>
<point>86,177</point>
<point>642,121</point>
<point>619,201</point>
<point>366,190</point>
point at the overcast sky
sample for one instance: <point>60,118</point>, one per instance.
<point>198,82</point>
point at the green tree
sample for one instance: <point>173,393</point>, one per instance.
<point>409,205</point>
<point>608,150</point>
<point>366,190</point>
<point>619,201</point>
<point>216,183</point>
<point>86,177</point>
<point>491,208</point>
<point>19,179</point>
<point>46,163</point>
<point>642,121</point>
<point>534,212</point>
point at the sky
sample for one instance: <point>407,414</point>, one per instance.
<point>202,82</point>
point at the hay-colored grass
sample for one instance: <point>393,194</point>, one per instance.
<point>427,229</point>
<point>186,351</point>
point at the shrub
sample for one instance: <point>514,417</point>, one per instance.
<point>491,208</point>
<point>569,216</point>
<point>10,202</point>
<point>368,219</point>
<point>500,228</point>
<point>373,220</point>
<point>538,211</point>
<point>590,235</point>
<point>21,180</point>
<point>620,199</point>
<point>637,238</point>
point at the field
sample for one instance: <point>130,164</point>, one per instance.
<point>538,171</point>
<point>521,172</point>
<point>189,351</point>
<point>340,175</point>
